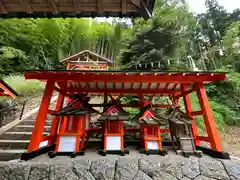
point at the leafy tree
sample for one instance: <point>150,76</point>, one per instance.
<point>41,43</point>
<point>232,45</point>
<point>150,47</point>
<point>163,42</point>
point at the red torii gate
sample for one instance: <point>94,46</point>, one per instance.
<point>174,84</point>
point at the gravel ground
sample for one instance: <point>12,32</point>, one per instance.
<point>231,140</point>
<point>92,154</point>
<point>230,137</point>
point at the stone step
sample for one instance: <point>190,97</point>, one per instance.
<point>33,117</point>
<point>31,122</point>
<point>28,128</point>
<point>10,154</point>
<point>13,144</point>
<point>18,135</point>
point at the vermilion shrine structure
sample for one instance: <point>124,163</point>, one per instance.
<point>74,122</point>
<point>121,83</point>
<point>113,118</point>
<point>150,131</point>
<point>6,90</point>
<point>87,60</point>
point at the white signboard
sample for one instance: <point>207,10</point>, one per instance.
<point>67,144</point>
<point>43,143</point>
<point>113,143</point>
<point>152,145</point>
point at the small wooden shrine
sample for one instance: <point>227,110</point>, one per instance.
<point>73,120</point>
<point>82,101</point>
<point>76,8</point>
<point>112,119</point>
<point>87,60</point>
<point>180,125</point>
<point>6,90</point>
<point>150,136</point>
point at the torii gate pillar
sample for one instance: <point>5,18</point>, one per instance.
<point>212,131</point>
<point>38,129</point>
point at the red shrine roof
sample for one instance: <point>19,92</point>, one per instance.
<point>179,117</point>
<point>124,82</point>
<point>114,113</point>
<point>6,90</point>
<point>78,106</point>
<point>72,111</point>
<point>148,116</point>
<point>86,56</point>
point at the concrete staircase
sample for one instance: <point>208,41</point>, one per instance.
<point>15,141</point>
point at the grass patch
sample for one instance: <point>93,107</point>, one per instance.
<point>24,87</point>
<point>222,114</point>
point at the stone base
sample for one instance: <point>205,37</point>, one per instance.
<point>132,167</point>
<point>53,154</point>
<point>120,152</point>
<point>189,153</point>
<point>213,153</point>
<point>148,152</point>
<point>29,155</point>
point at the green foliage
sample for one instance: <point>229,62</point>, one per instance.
<point>181,41</point>
<point>131,100</point>
<point>227,94</point>
<point>41,43</point>
<point>223,114</point>
<point>231,42</point>
<point>24,87</point>
<point>133,112</point>
<point>146,48</point>
<point>163,42</point>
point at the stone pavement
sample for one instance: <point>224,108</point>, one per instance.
<point>113,167</point>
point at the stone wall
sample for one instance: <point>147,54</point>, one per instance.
<point>124,168</point>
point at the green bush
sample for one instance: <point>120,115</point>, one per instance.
<point>133,112</point>
<point>222,114</point>
<point>24,87</point>
<point>227,115</point>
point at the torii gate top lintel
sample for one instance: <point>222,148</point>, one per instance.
<point>125,82</point>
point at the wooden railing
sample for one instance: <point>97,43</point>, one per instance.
<point>11,113</point>
<point>16,110</point>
